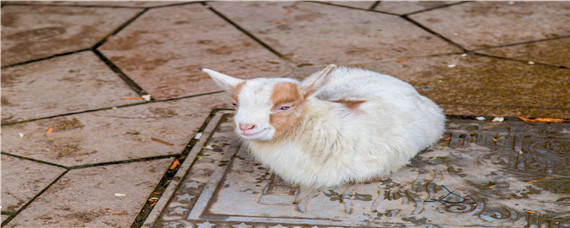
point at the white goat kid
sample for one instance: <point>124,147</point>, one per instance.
<point>337,126</point>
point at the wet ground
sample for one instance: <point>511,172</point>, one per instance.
<point>80,147</point>
<point>482,173</point>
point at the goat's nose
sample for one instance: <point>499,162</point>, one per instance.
<point>245,127</point>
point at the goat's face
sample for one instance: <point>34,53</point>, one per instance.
<point>267,108</point>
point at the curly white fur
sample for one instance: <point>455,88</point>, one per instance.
<point>344,125</point>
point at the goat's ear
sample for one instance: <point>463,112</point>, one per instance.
<point>313,84</point>
<point>226,82</point>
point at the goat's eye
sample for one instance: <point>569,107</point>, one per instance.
<point>234,104</point>
<point>284,108</point>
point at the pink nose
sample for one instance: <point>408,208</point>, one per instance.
<point>246,127</point>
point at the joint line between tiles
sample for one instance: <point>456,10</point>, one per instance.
<point>78,6</point>
<point>518,60</point>
<point>113,107</point>
<point>435,8</point>
<point>34,160</point>
<point>449,41</point>
<point>46,58</point>
<point>120,28</point>
<point>354,8</point>
<point>164,183</point>
<point>124,161</point>
<point>519,43</point>
<point>23,207</point>
<point>373,6</point>
<point>247,33</point>
<point>132,84</point>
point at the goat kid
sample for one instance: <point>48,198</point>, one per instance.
<point>337,126</point>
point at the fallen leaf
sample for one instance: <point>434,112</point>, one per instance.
<point>491,187</point>
<point>548,120</point>
<point>288,54</point>
<point>132,98</point>
<point>494,140</point>
<point>49,130</point>
<point>402,60</point>
<point>534,181</point>
<point>109,37</point>
<point>153,201</point>
<point>447,139</point>
<point>121,213</point>
<point>273,21</point>
<point>174,164</point>
<point>163,142</point>
<point>532,212</point>
<point>21,135</point>
<point>287,13</point>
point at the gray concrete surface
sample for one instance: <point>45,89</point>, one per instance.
<point>75,130</point>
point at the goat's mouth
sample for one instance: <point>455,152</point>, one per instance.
<point>251,134</point>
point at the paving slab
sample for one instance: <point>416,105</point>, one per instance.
<point>114,134</point>
<point>60,85</point>
<point>314,34</point>
<point>406,7</point>
<point>482,24</point>
<point>163,49</point>
<point>476,85</point>
<point>23,179</point>
<point>107,3</point>
<point>33,32</point>
<point>552,52</point>
<point>86,197</point>
<point>481,173</point>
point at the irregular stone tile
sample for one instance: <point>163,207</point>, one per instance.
<point>475,85</point>
<point>406,7</point>
<point>32,32</point>
<point>86,197</point>
<point>163,49</point>
<point>112,135</point>
<point>482,173</point>
<point>60,85</point>
<point>355,4</point>
<point>311,33</point>
<point>23,179</point>
<point>107,3</point>
<point>486,24</point>
<point>553,52</point>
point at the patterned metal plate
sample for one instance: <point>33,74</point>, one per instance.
<point>480,174</point>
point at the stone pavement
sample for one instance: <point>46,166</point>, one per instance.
<point>80,147</point>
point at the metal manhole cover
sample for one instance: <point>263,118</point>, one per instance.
<point>480,174</point>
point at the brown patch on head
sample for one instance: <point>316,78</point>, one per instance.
<point>350,104</point>
<point>236,91</point>
<point>286,94</point>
